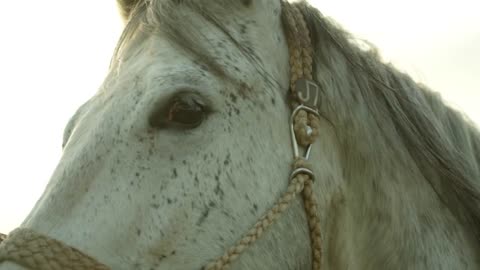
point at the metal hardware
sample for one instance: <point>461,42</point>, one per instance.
<point>307,92</point>
<point>292,131</point>
<point>303,171</point>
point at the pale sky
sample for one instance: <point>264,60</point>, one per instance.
<point>54,55</point>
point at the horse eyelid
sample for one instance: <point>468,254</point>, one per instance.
<point>158,116</point>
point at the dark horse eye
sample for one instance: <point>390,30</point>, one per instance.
<point>184,111</point>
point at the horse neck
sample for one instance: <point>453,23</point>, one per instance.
<point>388,213</point>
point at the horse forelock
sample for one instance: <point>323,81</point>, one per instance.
<point>441,141</point>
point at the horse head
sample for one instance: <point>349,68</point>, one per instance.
<point>187,144</point>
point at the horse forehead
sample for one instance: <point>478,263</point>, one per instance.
<point>224,4</point>
<point>221,13</point>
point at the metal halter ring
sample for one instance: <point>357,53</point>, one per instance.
<point>302,170</point>
<point>292,131</point>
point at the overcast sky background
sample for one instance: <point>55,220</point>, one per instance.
<point>54,55</point>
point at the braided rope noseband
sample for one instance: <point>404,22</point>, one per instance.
<point>35,251</point>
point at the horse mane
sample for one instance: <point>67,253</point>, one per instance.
<point>443,143</point>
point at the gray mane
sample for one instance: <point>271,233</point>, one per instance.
<point>444,144</point>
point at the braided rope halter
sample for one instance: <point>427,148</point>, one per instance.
<point>35,251</point>
<point>304,126</point>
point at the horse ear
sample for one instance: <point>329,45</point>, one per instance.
<point>126,7</point>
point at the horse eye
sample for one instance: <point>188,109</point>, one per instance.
<point>184,111</point>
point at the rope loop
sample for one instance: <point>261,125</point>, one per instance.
<point>306,126</point>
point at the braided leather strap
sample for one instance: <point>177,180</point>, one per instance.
<point>35,251</point>
<point>310,205</point>
<point>299,44</point>
<point>296,186</point>
<point>306,124</point>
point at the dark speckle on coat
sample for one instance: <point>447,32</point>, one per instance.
<point>204,215</point>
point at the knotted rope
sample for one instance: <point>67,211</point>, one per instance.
<point>35,251</point>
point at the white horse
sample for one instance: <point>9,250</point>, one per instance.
<point>187,144</point>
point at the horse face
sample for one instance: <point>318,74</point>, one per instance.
<point>185,145</point>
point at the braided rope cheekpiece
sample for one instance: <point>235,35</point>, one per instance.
<point>35,251</point>
<point>306,127</point>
